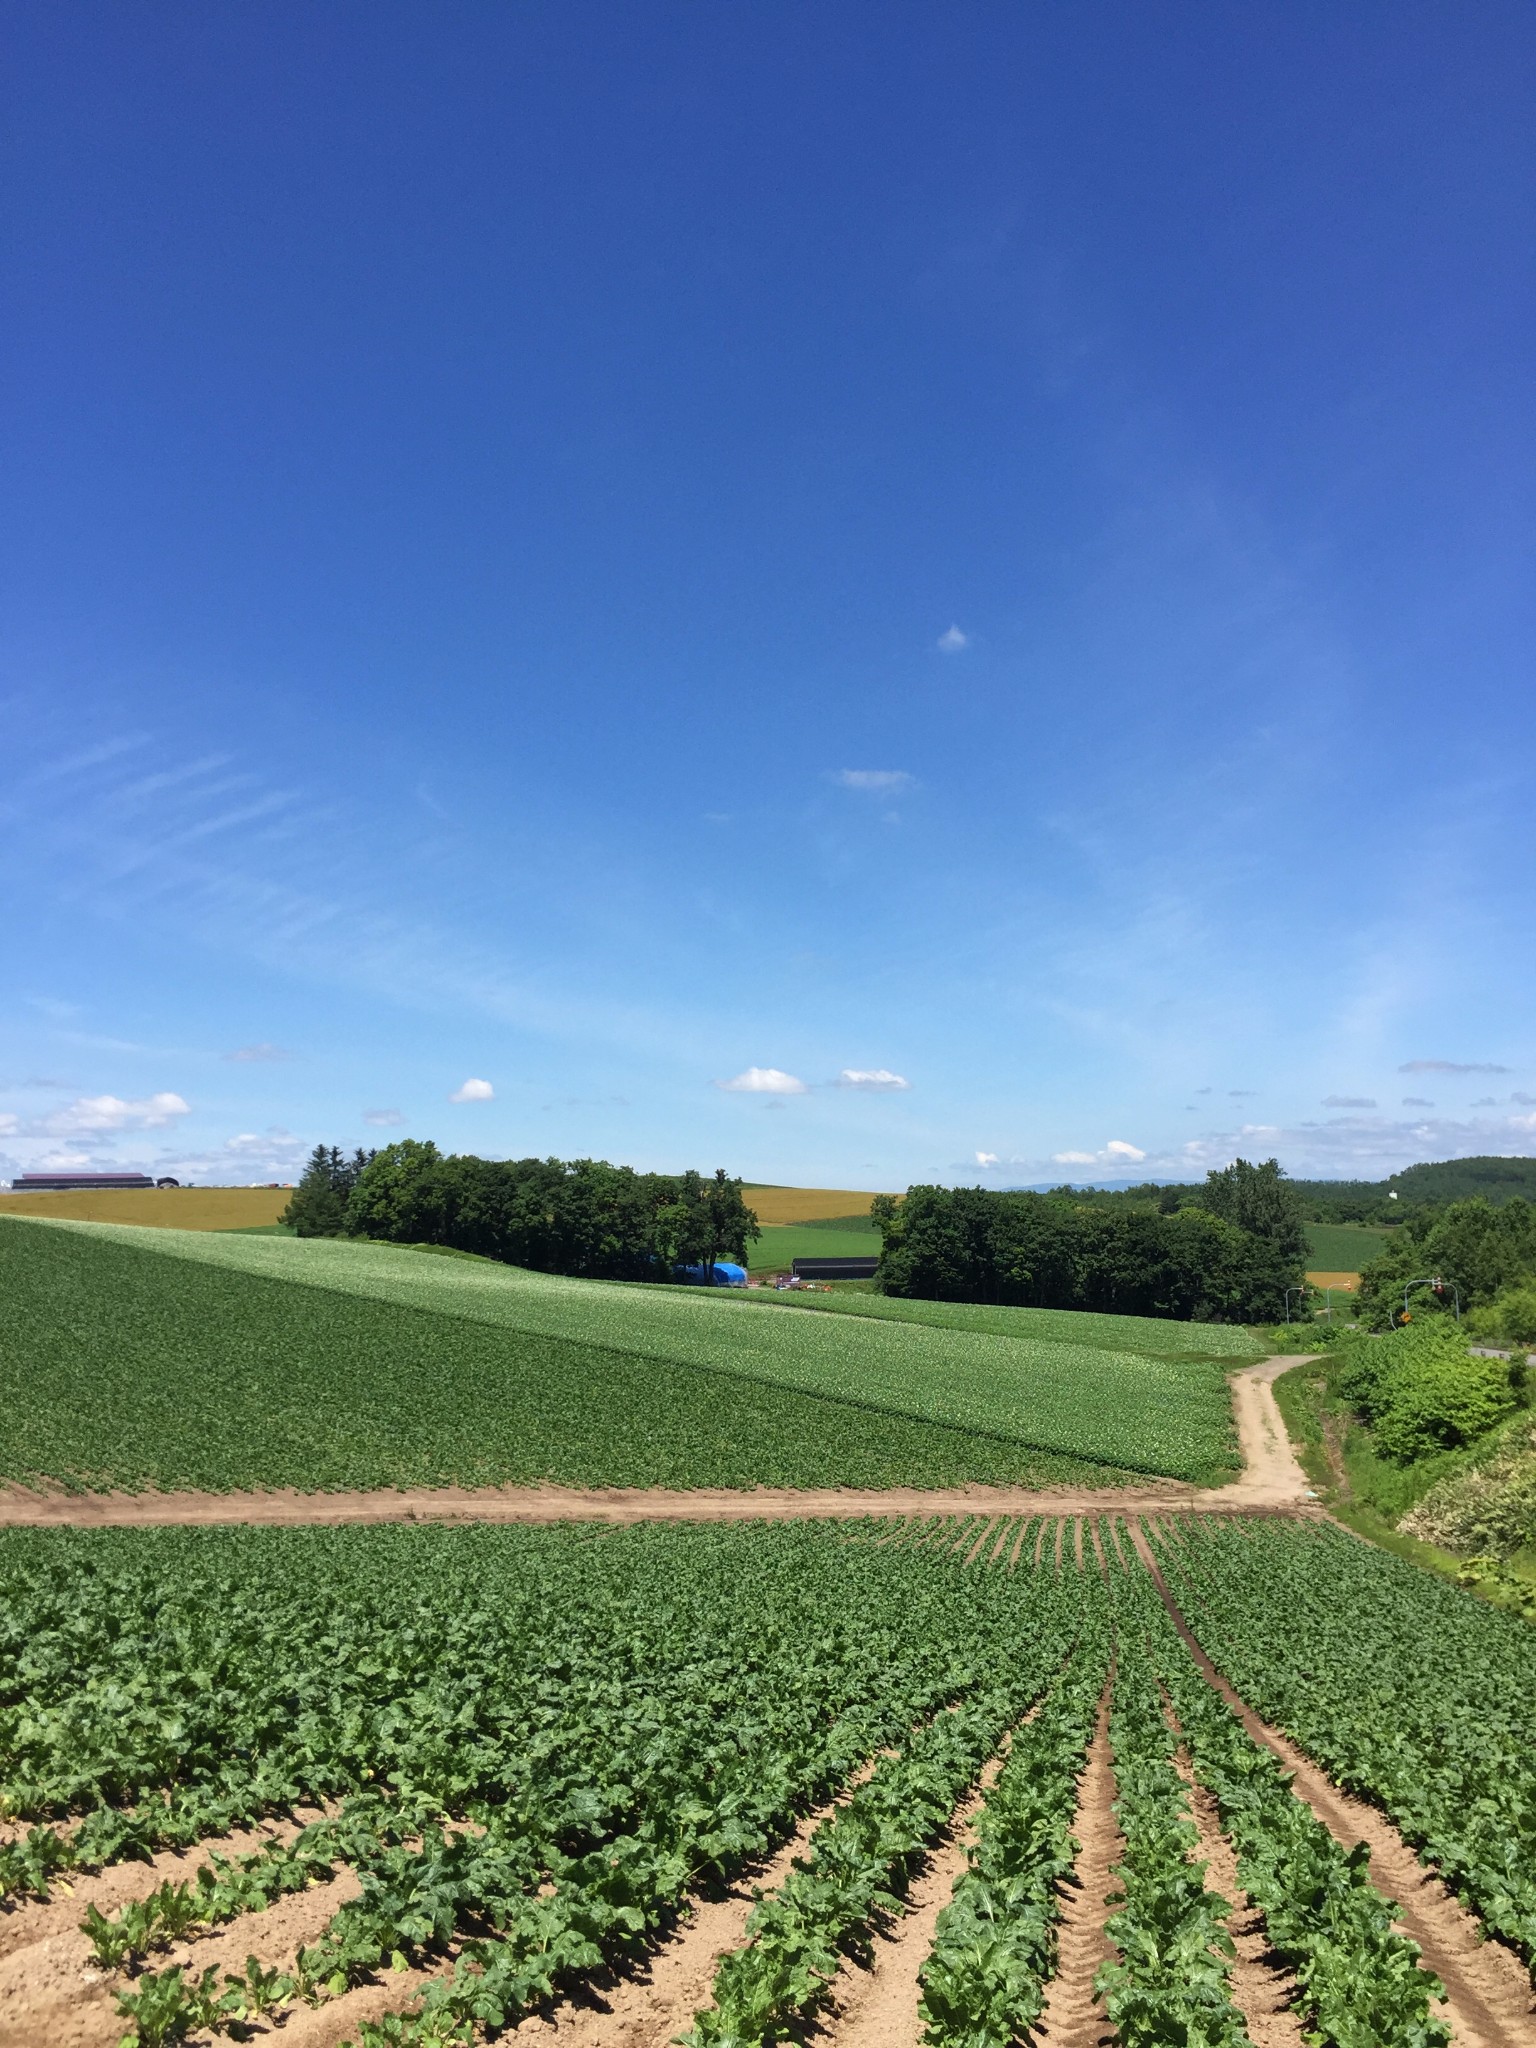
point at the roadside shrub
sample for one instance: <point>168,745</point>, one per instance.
<point>1491,1508</point>
<point>1421,1391</point>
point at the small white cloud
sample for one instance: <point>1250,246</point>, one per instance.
<point>386,1118</point>
<point>1423,1102</point>
<point>9,1125</point>
<point>764,1081</point>
<point>1349,1102</point>
<point>271,1143</point>
<point>1486,1102</point>
<point>251,1054</point>
<point>1116,1153</point>
<point>953,641</point>
<point>1451,1067</point>
<point>89,1115</point>
<point>880,781</point>
<point>988,1159</point>
<point>874,1079</point>
<point>473,1091</point>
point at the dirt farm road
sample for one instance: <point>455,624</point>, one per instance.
<point>1271,1480</point>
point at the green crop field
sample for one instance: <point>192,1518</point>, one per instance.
<point>1344,1247</point>
<point>1150,1336</point>
<point>527,1750</point>
<point>151,1358</point>
<point>782,1243</point>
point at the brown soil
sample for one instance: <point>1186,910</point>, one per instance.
<point>53,1994</point>
<point>29,1922</point>
<point>1074,2016</point>
<point>1263,1988</point>
<point>875,2005</point>
<point>1271,1478</point>
<point>1489,2002</point>
<point>649,2006</point>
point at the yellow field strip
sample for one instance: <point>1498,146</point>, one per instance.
<point>1350,1281</point>
<point>161,1208</point>
<point>805,1205</point>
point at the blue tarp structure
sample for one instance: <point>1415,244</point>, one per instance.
<point>721,1274</point>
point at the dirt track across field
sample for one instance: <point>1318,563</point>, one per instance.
<point>1271,1480</point>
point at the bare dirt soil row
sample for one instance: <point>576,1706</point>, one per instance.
<point>1271,1480</point>
<point>1489,1998</point>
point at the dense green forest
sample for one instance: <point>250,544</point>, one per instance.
<point>1235,1256</point>
<point>581,1217</point>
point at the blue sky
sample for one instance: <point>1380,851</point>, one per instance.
<point>863,594</point>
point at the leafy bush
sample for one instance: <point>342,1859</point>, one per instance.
<point>1420,1389</point>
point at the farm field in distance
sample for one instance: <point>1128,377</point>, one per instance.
<point>449,1778</point>
<point>1344,1247</point>
<point>157,1208</point>
<point>148,1358</point>
<point>780,1244</point>
<point>807,1205</point>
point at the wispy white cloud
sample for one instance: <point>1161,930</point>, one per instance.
<point>1349,1102</point>
<point>96,1115</point>
<point>764,1081</point>
<point>987,1159</point>
<point>875,1080</point>
<point>473,1091</point>
<point>1452,1067</point>
<point>953,641</point>
<point>874,781</point>
<point>252,1055</point>
<point>387,1119</point>
<point>1417,1102</point>
<point>1118,1152</point>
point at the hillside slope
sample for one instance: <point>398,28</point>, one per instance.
<point>147,1357</point>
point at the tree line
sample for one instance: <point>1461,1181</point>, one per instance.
<point>1231,1259</point>
<point>582,1217</point>
<point>1482,1256</point>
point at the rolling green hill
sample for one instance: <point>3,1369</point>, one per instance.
<point>153,1358</point>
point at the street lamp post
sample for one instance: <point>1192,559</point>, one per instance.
<point>1302,1291</point>
<point>1438,1286</point>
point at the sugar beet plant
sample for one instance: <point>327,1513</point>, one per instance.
<point>1170,1979</point>
<point>994,1949</point>
<point>534,1743</point>
<point>1360,1982</point>
<point>1402,1687</point>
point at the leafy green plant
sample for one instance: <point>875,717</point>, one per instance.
<point>1402,1688</point>
<point>994,1946</point>
<point>1170,1980</point>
